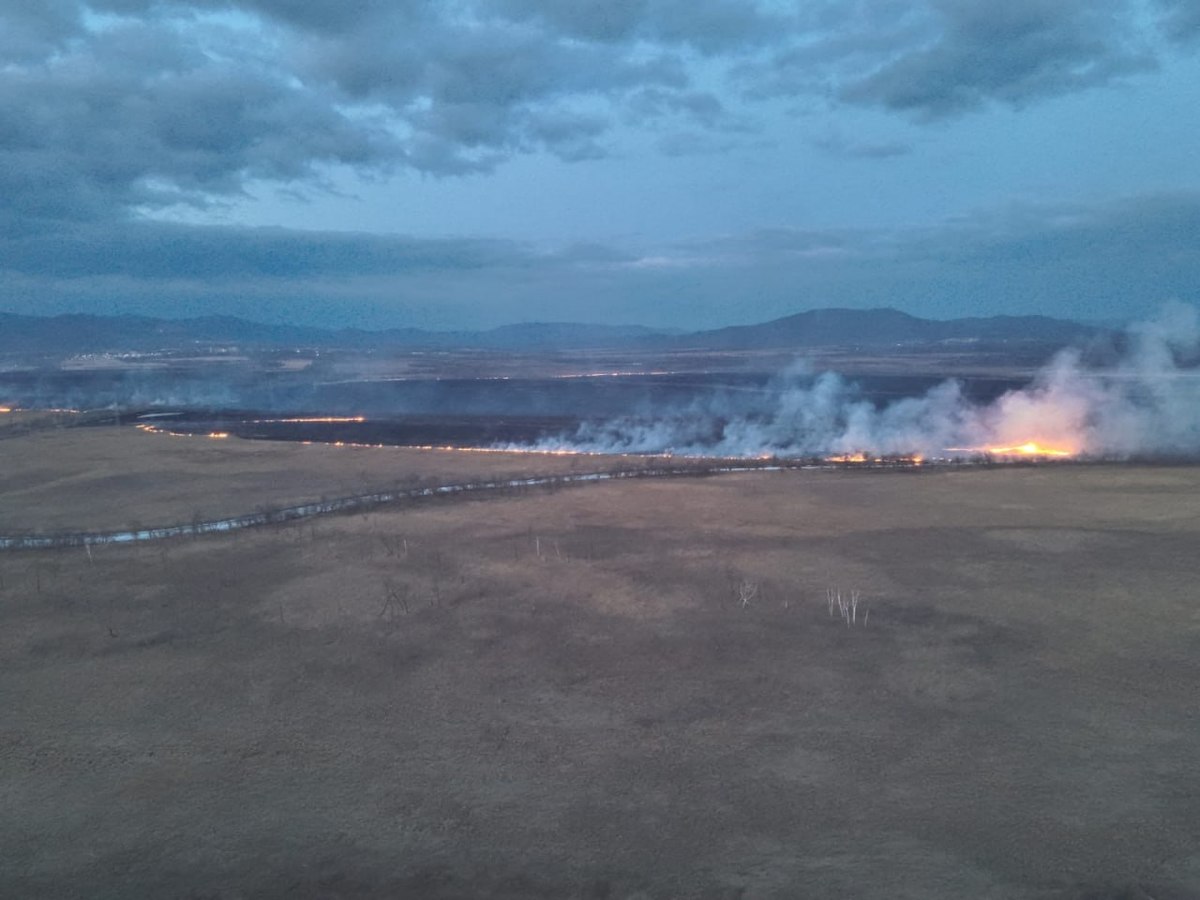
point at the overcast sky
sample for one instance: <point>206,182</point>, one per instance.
<point>677,163</point>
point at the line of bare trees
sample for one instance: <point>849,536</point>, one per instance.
<point>273,516</point>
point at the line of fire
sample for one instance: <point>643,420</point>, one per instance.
<point>401,433</point>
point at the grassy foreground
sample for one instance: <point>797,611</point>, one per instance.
<point>566,694</point>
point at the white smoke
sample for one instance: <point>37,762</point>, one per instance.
<point>1146,402</point>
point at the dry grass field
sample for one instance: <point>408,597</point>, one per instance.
<point>106,478</point>
<point>563,695</point>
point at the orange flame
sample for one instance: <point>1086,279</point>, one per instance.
<point>861,457</point>
<point>1028,450</point>
<point>858,457</point>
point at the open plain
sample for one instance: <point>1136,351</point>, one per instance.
<point>616,690</point>
<point>109,478</point>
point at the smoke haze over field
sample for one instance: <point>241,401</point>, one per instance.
<point>1133,395</point>
<point>1146,402</point>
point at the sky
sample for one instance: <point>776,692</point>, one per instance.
<point>682,164</point>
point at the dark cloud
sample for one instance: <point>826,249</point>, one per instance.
<point>34,28</point>
<point>317,15</point>
<point>937,58</point>
<point>1088,262</point>
<point>836,41</point>
<point>469,96</point>
<point>1099,262</point>
<point>275,274</point>
<point>152,251</point>
<point>1181,20</point>
<point>1109,246</point>
<point>139,115</point>
<point>709,26</point>
<point>700,108</point>
<point>1011,52</point>
<point>112,106</point>
<point>112,110</point>
<point>125,104</point>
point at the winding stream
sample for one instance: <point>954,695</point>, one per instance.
<point>348,504</point>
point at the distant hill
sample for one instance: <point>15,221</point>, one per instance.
<point>874,327</point>
<point>816,328</point>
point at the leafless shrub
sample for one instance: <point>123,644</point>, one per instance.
<point>846,604</point>
<point>747,591</point>
<point>395,597</point>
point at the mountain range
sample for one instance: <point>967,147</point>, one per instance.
<point>814,328</point>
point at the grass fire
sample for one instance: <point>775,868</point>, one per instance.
<point>709,615</point>
<point>1027,450</point>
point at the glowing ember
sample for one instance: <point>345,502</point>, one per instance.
<point>859,457</point>
<point>1029,450</point>
<point>862,458</point>
<point>218,435</point>
<point>6,409</point>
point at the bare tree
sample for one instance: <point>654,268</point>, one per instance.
<point>747,591</point>
<point>846,604</point>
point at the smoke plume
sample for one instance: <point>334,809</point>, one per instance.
<point>1143,401</point>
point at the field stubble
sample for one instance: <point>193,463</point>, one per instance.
<point>565,694</point>
<point>112,478</point>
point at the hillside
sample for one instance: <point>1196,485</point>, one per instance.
<point>840,327</point>
<point>815,328</point>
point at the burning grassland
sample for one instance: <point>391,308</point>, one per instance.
<point>1139,401</point>
<point>384,430</point>
<point>1027,450</point>
<point>1146,402</point>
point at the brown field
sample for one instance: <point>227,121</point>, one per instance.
<point>560,694</point>
<point>106,478</point>
<point>19,422</point>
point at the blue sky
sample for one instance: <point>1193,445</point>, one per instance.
<point>677,163</point>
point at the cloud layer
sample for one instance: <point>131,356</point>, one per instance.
<point>1102,261</point>
<point>118,114</point>
<point>115,105</point>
